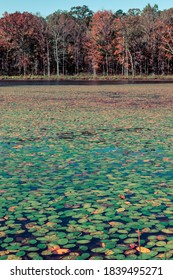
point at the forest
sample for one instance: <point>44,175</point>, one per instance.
<point>139,42</point>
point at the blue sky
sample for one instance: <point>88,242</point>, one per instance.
<point>47,7</point>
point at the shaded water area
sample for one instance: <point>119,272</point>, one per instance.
<point>79,82</point>
<point>85,172</point>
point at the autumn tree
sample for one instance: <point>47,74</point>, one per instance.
<point>165,33</point>
<point>75,41</point>
<point>82,16</point>
<point>101,41</point>
<point>5,47</point>
<point>148,22</point>
<point>60,25</point>
<point>129,44</point>
<point>20,33</point>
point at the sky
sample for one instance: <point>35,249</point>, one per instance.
<point>45,7</point>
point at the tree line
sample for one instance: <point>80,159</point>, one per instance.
<point>80,41</point>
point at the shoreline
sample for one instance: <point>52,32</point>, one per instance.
<point>25,82</point>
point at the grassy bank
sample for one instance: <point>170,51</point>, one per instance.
<point>87,77</point>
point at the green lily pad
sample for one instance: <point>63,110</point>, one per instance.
<point>151,244</point>
<point>120,257</point>
<point>160,243</point>
<point>33,256</point>
<point>46,253</point>
<point>85,256</point>
<point>33,241</point>
<point>70,245</point>
<point>98,250</point>
<point>168,230</point>
<point>62,241</point>
<point>20,253</point>
<point>8,240</point>
<point>13,257</point>
<point>41,246</point>
<point>83,248</point>
<point>4,257</point>
<point>152,237</point>
<point>131,257</point>
<point>32,249</point>
<point>84,241</point>
<point>131,240</point>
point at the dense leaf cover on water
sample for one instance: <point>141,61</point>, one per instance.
<point>86,172</point>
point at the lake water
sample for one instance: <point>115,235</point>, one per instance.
<point>78,82</point>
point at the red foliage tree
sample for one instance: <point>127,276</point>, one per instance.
<point>21,33</point>
<point>101,41</point>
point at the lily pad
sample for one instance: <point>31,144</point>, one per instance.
<point>160,243</point>
<point>62,241</point>
<point>8,240</point>
<point>168,230</point>
<point>2,234</point>
<point>131,240</point>
<point>83,248</point>
<point>143,250</point>
<point>98,250</point>
<point>83,241</point>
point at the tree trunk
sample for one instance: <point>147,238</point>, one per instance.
<point>63,62</point>
<point>57,60</point>
<point>107,66</point>
<point>132,64</point>
<point>24,65</point>
<point>77,59</point>
<point>48,60</point>
<point>127,62</point>
<point>36,67</point>
<point>94,69</point>
<point>57,66</point>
